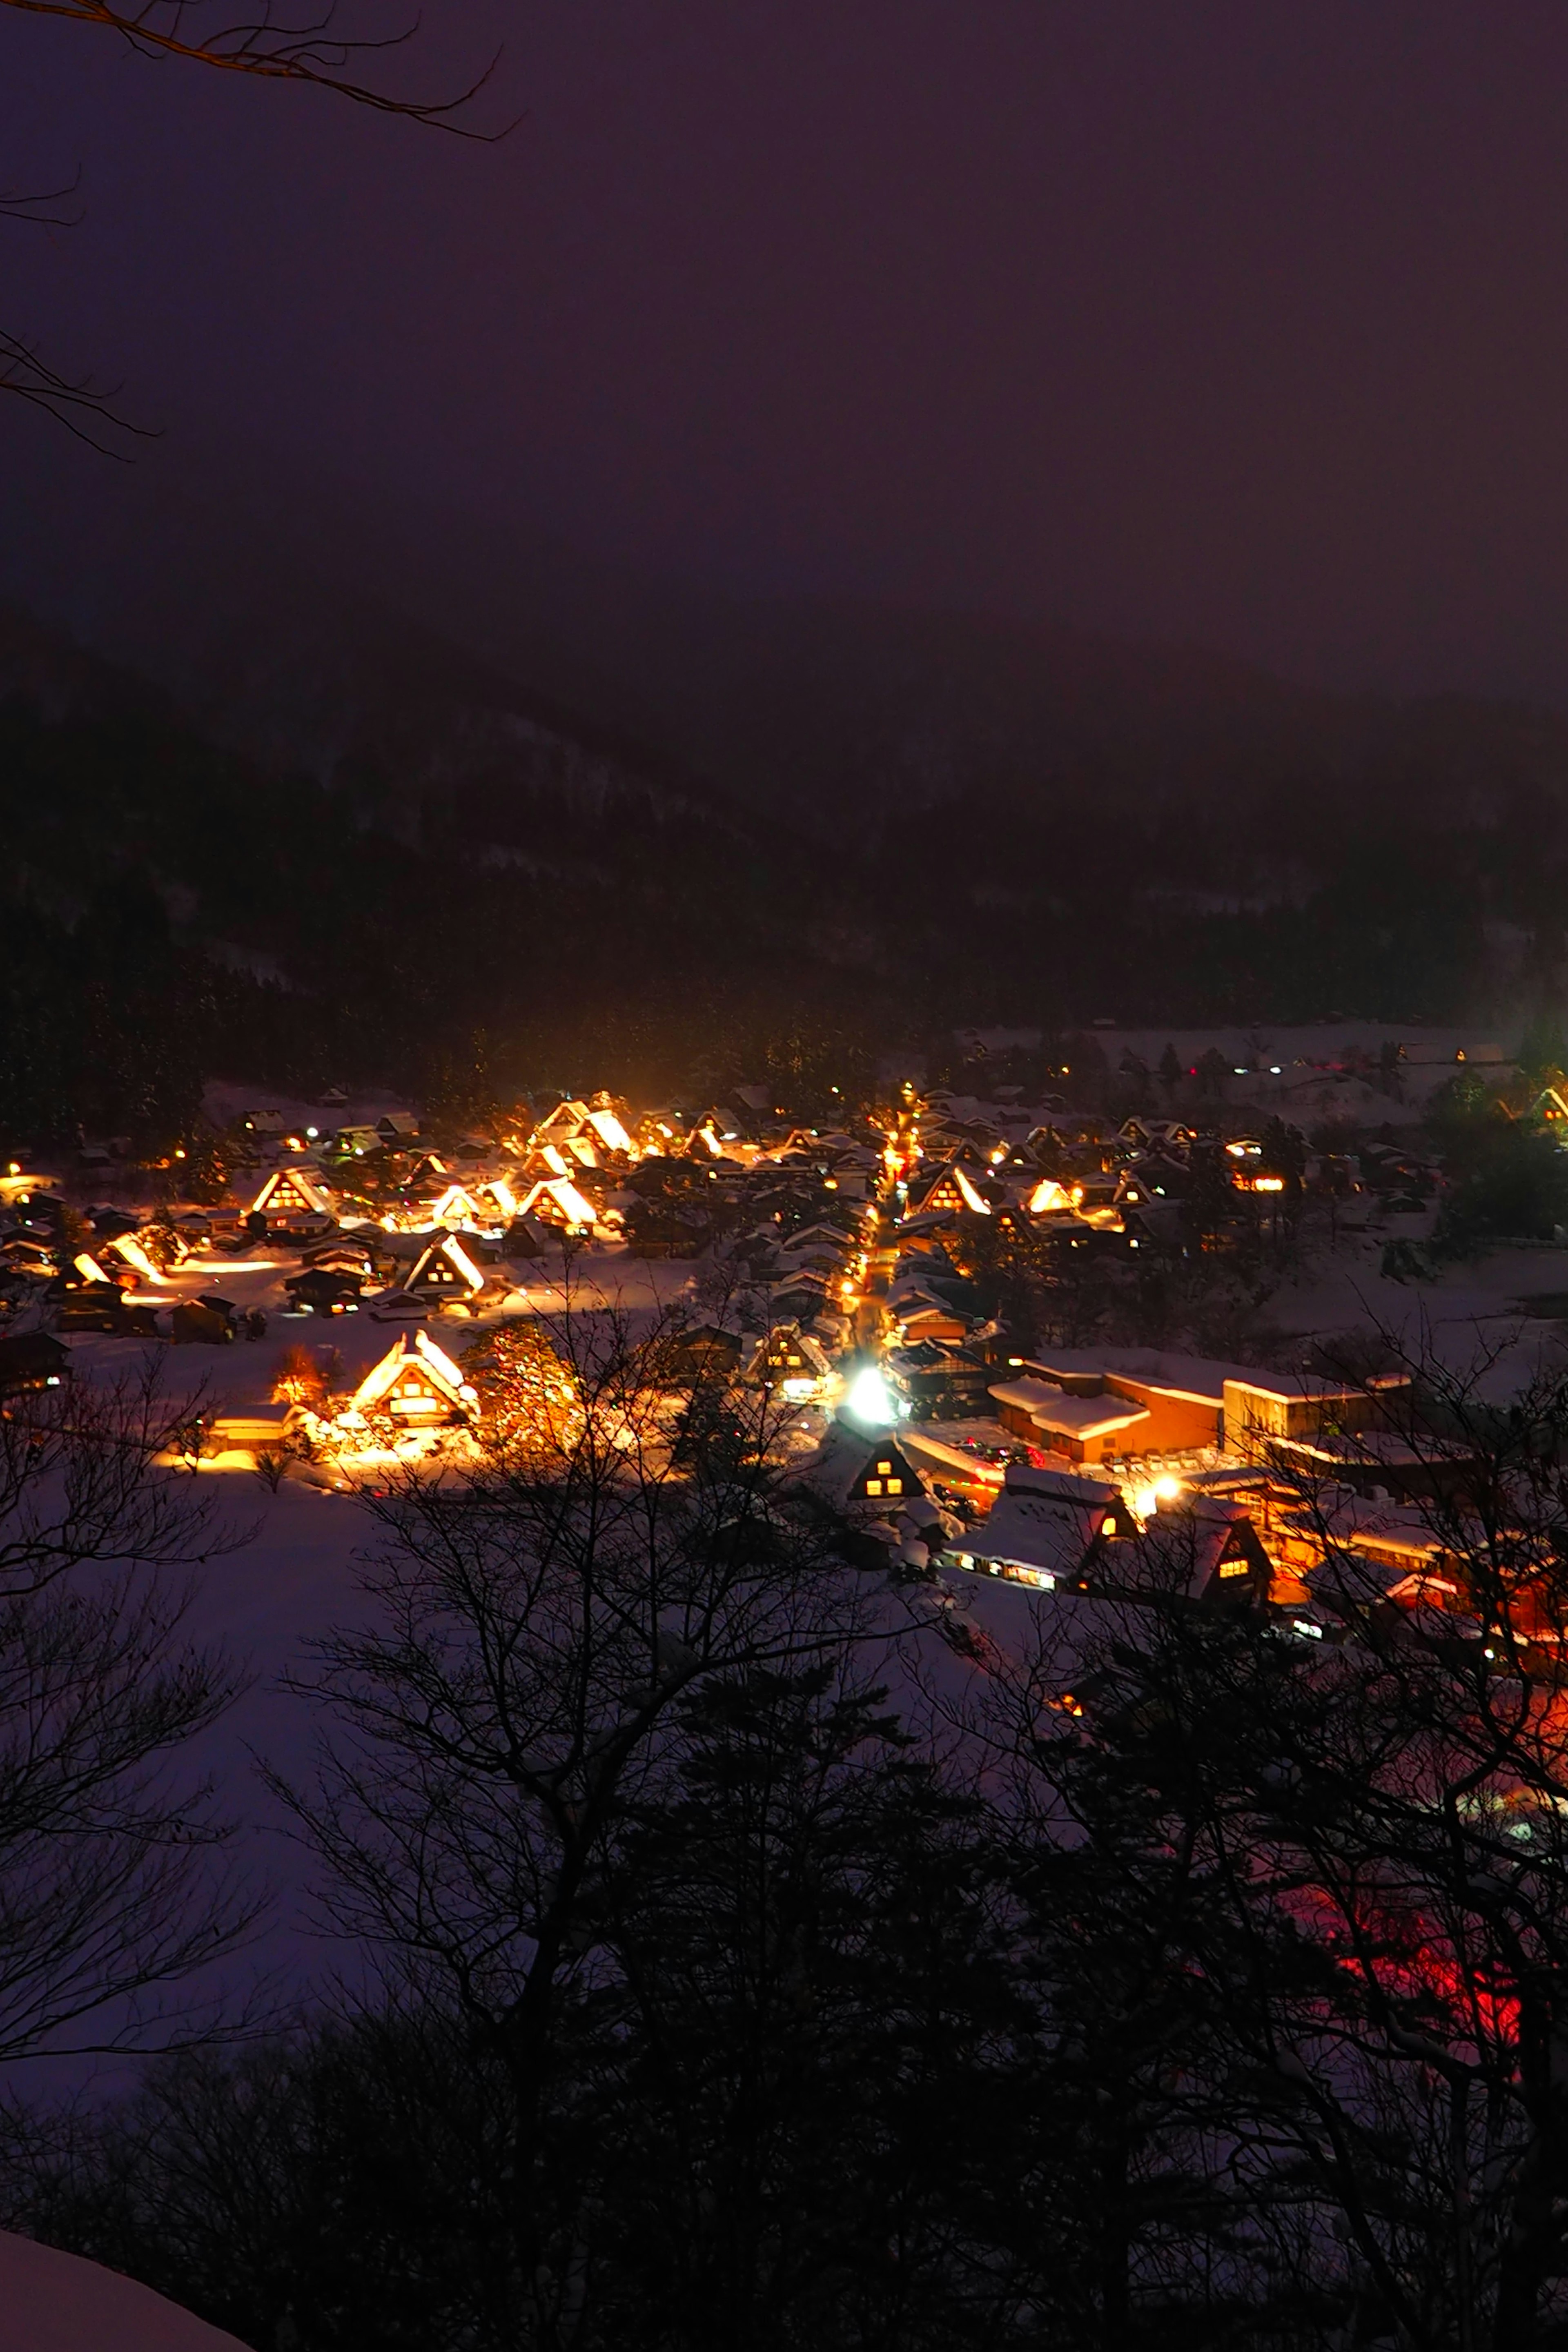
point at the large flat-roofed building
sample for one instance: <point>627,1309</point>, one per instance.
<point>1191,1403</point>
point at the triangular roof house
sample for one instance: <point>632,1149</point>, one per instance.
<point>850,1469</point>
<point>445,1269</point>
<point>417,1381</point>
<point>1046,1539</point>
<point>525,1238</point>
<point>130,1252</point>
<point>609,1130</point>
<point>834,1237</point>
<point>290,1192</point>
<point>547,1158</point>
<point>457,1206</point>
<point>565,1119</point>
<point>555,1201</point>
<point>1199,1548</point>
<point>950,1190</point>
<point>788,1358</point>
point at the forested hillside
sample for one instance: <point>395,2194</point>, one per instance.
<point>378,858</point>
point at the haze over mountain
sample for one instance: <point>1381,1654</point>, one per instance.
<point>340,633</point>
<point>452,784</point>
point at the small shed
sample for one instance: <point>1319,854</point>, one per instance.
<point>32,1360</point>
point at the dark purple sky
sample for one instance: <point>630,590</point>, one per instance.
<point>1243,323</point>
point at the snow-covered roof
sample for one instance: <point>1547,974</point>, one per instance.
<point>1040,1533</point>
<point>60,2302</point>
<point>1053,1409</point>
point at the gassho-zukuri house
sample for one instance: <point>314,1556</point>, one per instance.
<point>417,1383</point>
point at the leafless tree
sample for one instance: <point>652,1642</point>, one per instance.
<point>114,1876</point>
<point>1366,1813</point>
<point>542,1624</point>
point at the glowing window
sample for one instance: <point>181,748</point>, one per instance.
<point>895,1486</point>
<point>1234,1567</point>
<point>873,1485</point>
<point>883,1468</point>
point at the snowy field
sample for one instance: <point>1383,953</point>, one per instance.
<point>294,1576</point>
<point>291,1575</point>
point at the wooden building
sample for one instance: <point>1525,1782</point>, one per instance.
<point>419,1383</point>
<point>290,1192</point>
<point>445,1270</point>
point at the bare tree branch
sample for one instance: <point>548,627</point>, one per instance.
<point>69,400</point>
<point>270,50</point>
<point>265,49</point>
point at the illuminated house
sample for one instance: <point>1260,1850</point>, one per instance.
<point>1046,1534</point>
<point>547,1158</point>
<point>868,1477</point>
<point>130,1252</point>
<point>932,1321</point>
<point>565,1119</point>
<point>789,1360</point>
<point>459,1207</point>
<point>445,1270</point>
<point>610,1130</point>
<point>951,1192</point>
<point>289,1193</point>
<point>885,1475</point>
<point>555,1201</point>
<point>1289,1413</point>
<point>1196,1548</point>
<point>661,1132</point>
<point>416,1382</point>
<point>87,1267</point>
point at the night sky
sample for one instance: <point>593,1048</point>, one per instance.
<point>1242,325</point>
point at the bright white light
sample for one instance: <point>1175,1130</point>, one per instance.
<point>1167,1488</point>
<point>868,1401</point>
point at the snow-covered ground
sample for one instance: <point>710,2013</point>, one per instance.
<point>51,2302</point>
<point>294,1578</point>
<point>240,1373</point>
<point>1514,1299</point>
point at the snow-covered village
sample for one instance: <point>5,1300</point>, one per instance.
<point>784,1176</point>
<point>1126,1437</point>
